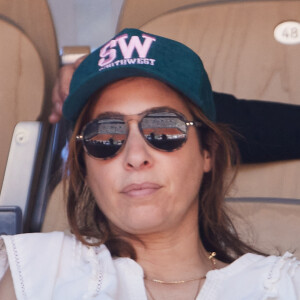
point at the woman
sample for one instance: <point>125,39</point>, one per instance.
<point>147,174</point>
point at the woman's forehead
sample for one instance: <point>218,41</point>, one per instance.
<point>136,94</point>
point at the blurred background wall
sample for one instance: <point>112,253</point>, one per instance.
<point>84,22</point>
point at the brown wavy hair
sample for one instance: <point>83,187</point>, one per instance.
<point>217,232</point>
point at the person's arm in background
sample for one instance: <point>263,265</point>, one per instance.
<point>61,89</point>
<point>267,131</point>
<point>60,92</point>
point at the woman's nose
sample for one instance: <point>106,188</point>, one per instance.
<point>137,154</point>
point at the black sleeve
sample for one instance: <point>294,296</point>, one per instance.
<point>268,131</point>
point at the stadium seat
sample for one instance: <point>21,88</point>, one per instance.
<point>28,68</point>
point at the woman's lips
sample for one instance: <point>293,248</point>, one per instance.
<point>140,190</point>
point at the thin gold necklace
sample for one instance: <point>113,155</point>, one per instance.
<point>149,293</point>
<point>211,258</point>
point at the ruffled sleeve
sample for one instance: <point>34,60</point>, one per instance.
<point>31,271</point>
<point>57,266</point>
<point>283,279</point>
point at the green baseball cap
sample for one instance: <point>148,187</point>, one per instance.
<point>133,52</point>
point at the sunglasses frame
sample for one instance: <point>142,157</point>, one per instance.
<point>137,117</point>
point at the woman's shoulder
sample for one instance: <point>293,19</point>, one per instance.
<point>37,261</point>
<point>13,247</point>
<point>31,244</point>
<point>27,255</point>
<point>261,276</point>
<point>275,266</point>
<point>58,264</point>
<point>45,249</point>
<point>250,260</point>
<point>276,276</point>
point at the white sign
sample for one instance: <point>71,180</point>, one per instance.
<point>288,33</point>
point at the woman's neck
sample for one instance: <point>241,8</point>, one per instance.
<point>174,255</point>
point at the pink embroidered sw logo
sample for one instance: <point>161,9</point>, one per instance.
<point>108,54</point>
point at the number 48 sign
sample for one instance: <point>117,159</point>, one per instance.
<point>288,33</point>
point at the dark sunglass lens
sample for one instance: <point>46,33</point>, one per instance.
<point>104,137</point>
<point>164,130</point>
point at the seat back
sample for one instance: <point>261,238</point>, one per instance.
<point>28,66</point>
<point>22,81</point>
<point>271,225</point>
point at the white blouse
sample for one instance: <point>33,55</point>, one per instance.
<point>57,266</point>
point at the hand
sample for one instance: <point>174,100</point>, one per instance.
<point>61,90</point>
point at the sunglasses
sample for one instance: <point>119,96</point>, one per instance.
<point>163,129</point>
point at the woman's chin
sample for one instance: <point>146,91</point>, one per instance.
<point>144,225</point>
